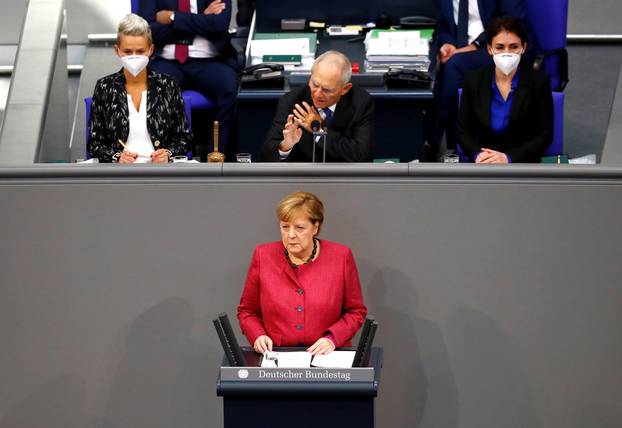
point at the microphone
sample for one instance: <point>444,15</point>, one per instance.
<point>315,127</point>
<point>318,134</point>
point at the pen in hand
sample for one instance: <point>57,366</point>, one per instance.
<point>127,153</point>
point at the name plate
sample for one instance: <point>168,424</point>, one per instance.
<point>307,374</point>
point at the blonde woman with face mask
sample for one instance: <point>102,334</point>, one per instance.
<point>137,115</point>
<point>506,110</point>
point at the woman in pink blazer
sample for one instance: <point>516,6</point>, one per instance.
<point>301,291</point>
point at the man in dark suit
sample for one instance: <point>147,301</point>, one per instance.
<point>193,45</point>
<point>345,111</point>
<point>461,47</point>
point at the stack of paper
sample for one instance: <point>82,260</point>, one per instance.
<point>397,48</point>
<point>298,46</point>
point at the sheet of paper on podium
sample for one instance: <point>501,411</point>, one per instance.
<point>294,359</point>
<point>301,359</point>
<point>336,359</point>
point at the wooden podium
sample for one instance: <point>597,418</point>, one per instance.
<point>298,397</point>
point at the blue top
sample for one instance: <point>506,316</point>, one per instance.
<point>500,108</point>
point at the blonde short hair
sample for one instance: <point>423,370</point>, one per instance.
<point>304,203</point>
<point>134,25</point>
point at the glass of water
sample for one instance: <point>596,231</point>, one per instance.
<point>451,158</point>
<point>243,157</point>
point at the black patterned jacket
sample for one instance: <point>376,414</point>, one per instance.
<point>166,117</point>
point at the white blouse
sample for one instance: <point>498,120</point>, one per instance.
<point>139,140</point>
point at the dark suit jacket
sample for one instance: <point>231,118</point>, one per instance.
<point>530,128</point>
<point>447,29</point>
<point>166,116</point>
<point>322,297</point>
<point>350,132</point>
<point>215,28</point>
<point>245,12</point>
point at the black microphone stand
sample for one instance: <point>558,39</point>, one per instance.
<point>318,132</point>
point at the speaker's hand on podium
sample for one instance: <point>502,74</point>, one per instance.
<point>322,346</point>
<point>262,344</point>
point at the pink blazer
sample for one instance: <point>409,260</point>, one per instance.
<point>324,297</point>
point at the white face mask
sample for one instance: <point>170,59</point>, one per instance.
<point>134,63</point>
<point>506,62</point>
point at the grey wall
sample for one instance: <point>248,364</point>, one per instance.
<point>587,17</point>
<point>35,126</point>
<point>498,297</point>
<point>593,71</point>
<point>11,21</point>
<point>612,152</point>
<point>84,17</point>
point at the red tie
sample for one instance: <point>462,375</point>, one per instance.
<point>181,51</point>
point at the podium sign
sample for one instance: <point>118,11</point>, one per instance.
<point>307,374</point>
<point>279,397</point>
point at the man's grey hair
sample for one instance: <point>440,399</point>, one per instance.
<point>134,25</point>
<point>336,59</point>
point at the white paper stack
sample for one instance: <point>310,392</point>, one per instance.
<point>259,48</point>
<point>397,48</point>
<point>275,47</point>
